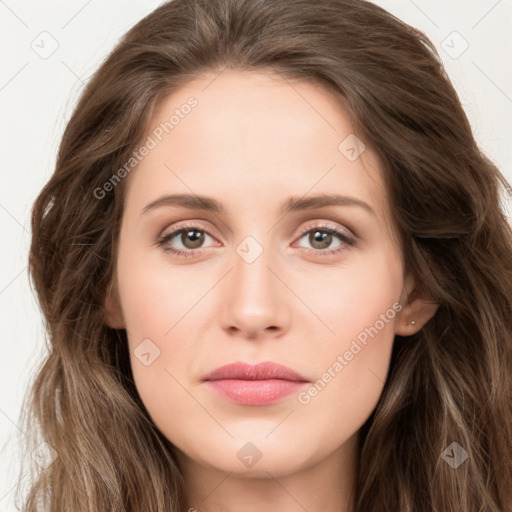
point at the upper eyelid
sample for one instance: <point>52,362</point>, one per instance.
<point>175,229</point>
<point>326,225</point>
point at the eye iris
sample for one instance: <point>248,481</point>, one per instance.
<point>196,235</point>
<point>323,237</point>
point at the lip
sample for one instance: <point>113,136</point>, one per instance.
<point>261,371</point>
<point>259,384</point>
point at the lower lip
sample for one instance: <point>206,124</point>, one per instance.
<point>255,392</point>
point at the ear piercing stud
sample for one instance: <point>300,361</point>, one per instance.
<point>407,323</point>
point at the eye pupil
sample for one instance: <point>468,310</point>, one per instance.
<point>322,237</point>
<point>197,237</point>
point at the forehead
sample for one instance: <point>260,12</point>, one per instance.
<point>250,138</point>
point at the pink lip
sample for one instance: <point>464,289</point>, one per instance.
<point>260,384</point>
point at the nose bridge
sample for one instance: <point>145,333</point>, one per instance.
<point>255,251</point>
<point>251,275</point>
<point>254,301</point>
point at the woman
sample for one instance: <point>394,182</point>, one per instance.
<point>202,357</point>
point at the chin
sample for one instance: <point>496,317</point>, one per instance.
<point>257,459</point>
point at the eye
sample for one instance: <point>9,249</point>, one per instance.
<point>191,237</point>
<point>322,237</point>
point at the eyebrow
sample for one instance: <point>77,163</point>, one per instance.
<point>292,204</point>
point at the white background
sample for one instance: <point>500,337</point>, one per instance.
<point>37,96</point>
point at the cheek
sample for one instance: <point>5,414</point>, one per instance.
<point>358,310</point>
<point>347,301</point>
<point>154,295</point>
<point>156,300</point>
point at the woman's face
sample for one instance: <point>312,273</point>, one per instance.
<point>264,278</point>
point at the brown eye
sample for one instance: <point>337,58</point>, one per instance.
<point>192,238</point>
<point>321,238</point>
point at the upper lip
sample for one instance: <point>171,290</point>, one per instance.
<point>261,371</point>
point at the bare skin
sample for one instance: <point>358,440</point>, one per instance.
<point>252,141</point>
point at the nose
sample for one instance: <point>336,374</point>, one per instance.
<point>256,300</point>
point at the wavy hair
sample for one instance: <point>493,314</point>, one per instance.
<point>449,383</point>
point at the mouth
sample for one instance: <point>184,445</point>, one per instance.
<point>260,384</point>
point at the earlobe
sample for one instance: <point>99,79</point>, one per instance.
<point>417,311</point>
<point>113,316</point>
<point>414,318</point>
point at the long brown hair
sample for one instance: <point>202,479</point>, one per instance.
<point>449,383</point>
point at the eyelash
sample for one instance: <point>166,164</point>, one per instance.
<point>330,229</point>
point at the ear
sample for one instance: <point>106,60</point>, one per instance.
<point>416,308</point>
<point>113,314</point>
